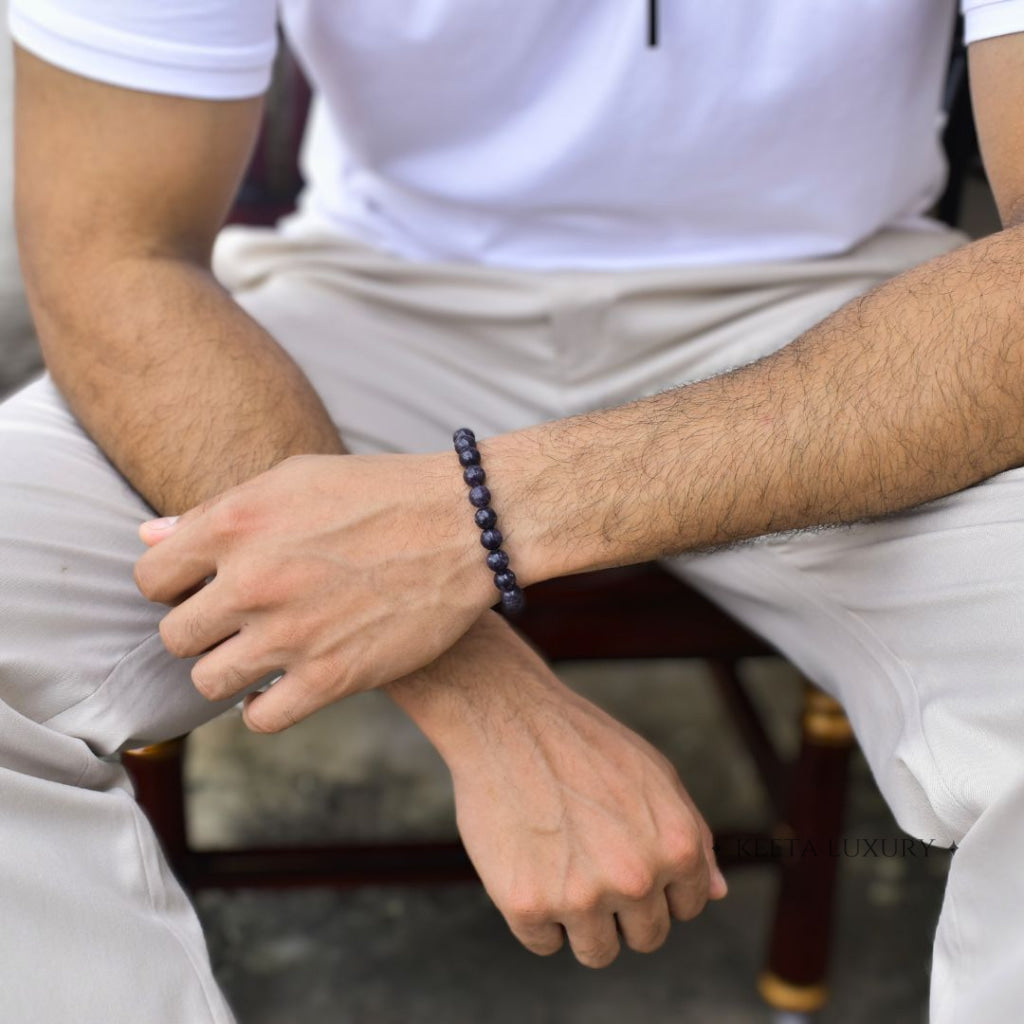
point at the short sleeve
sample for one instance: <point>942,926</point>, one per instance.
<point>984,19</point>
<point>208,49</point>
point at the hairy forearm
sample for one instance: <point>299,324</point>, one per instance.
<point>179,387</point>
<point>910,392</point>
<point>189,406</point>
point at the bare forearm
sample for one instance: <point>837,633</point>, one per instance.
<point>186,411</point>
<point>182,390</point>
<point>911,392</point>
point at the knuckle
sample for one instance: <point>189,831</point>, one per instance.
<point>205,682</point>
<point>597,956</point>
<point>583,900</point>
<point>548,948</point>
<point>683,852</point>
<point>635,882</point>
<point>250,590</point>
<point>298,634</point>
<point>527,910</point>
<point>690,909</point>
<point>172,638</point>
<point>192,628</point>
<point>259,719</point>
<point>218,683</point>
<point>653,939</point>
<point>327,679</point>
<point>143,579</point>
<point>228,518</point>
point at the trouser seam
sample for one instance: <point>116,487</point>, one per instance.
<point>103,682</point>
<point>135,813</point>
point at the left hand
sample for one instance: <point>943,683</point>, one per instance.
<point>341,571</point>
<point>577,826</point>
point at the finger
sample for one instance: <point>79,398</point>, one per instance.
<point>169,569</point>
<point>688,883</point>
<point>686,899</point>
<point>542,939</point>
<point>231,668</point>
<point>718,888</point>
<point>200,623</point>
<point>594,938</point>
<point>156,530</point>
<point>645,925</point>
<point>180,556</point>
<point>287,702</point>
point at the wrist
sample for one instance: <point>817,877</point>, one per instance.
<point>440,478</point>
<point>542,515</point>
<point>488,685</point>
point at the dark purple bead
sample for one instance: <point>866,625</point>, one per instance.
<point>479,497</point>
<point>513,601</point>
<point>497,560</point>
<point>474,475</point>
<point>505,580</point>
<point>469,457</point>
<point>463,443</point>
<point>491,539</point>
<point>485,518</point>
<point>463,432</point>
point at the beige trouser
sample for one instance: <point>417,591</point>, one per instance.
<point>915,623</point>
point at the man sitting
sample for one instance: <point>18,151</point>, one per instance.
<point>513,218</point>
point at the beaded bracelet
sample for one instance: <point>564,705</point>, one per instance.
<point>513,600</point>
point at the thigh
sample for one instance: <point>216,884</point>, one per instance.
<point>916,624</point>
<point>79,647</point>
<point>95,927</point>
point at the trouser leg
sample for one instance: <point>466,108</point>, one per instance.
<point>916,624</point>
<point>94,927</point>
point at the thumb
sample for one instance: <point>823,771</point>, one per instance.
<point>718,888</point>
<point>156,530</point>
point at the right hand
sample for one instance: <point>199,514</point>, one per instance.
<point>577,826</point>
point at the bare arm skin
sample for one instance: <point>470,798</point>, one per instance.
<point>119,197</point>
<point>910,392</point>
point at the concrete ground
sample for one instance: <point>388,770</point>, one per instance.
<point>443,955</point>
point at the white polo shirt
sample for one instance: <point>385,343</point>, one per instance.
<point>549,133</point>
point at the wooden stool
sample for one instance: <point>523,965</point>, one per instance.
<point>630,613</point>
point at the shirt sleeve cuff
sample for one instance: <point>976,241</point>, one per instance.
<point>988,18</point>
<point>118,58</point>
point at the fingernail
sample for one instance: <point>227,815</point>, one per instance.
<point>720,878</point>
<point>156,525</point>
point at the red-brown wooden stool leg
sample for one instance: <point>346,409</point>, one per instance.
<point>795,977</point>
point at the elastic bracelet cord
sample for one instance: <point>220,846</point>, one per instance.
<point>513,600</point>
